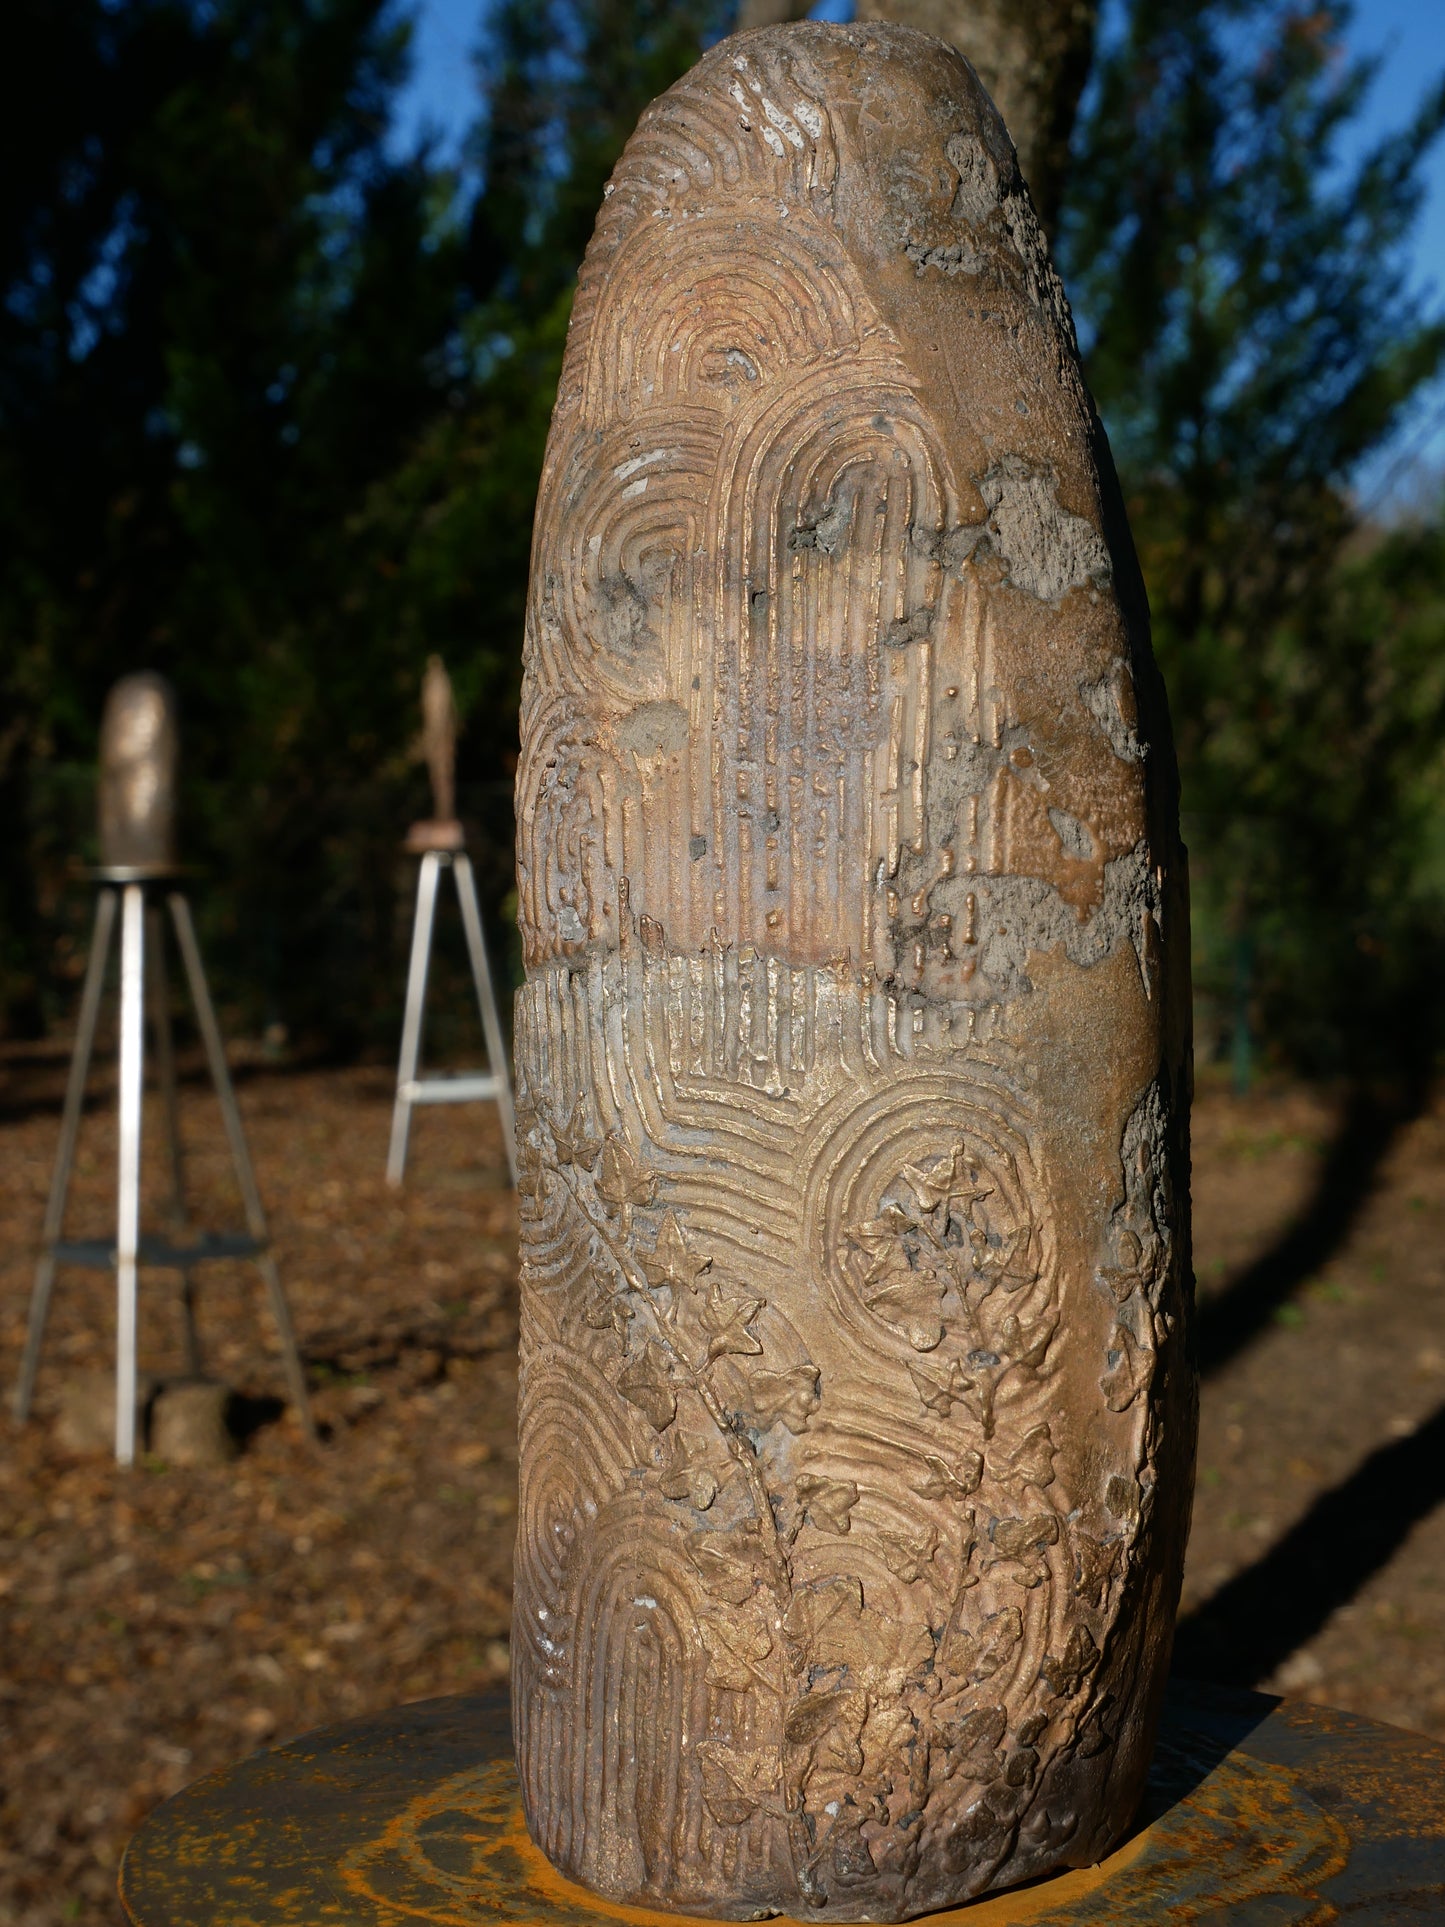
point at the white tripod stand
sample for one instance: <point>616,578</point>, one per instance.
<point>137,896</point>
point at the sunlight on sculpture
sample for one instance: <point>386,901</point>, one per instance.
<point>857,1404</point>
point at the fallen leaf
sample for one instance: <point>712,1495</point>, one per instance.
<point>729,1563</point>
<point>939,1392</point>
<point>1066,1674</point>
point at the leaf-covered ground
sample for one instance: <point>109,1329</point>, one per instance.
<point>157,1624</point>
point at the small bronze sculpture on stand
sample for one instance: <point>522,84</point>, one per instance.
<point>138,877</point>
<point>439,843</point>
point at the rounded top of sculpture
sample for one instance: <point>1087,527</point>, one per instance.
<point>139,747</point>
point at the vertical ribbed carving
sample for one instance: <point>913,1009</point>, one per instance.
<point>856,1407</point>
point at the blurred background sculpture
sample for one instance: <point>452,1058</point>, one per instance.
<point>857,1408</point>
<point>439,842</point>
<point>439,747</point>
<point>137,791</point>
<point>137,880</point>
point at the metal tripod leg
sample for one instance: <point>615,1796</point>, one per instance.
<point>487,1004</point>
<point>158,993</point>
<point>241,1157</point>
<point>127,1216</point>
<point>426,909</point>
<point>65,1155</point>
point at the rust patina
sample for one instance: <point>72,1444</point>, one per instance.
<point>1255,1811</point>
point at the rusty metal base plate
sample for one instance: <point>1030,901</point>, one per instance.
<point>1260,1813</point>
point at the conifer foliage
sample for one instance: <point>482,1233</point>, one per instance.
<point>274,393</point>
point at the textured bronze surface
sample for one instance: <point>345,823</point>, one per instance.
<point>857,1410</point>
<point>1255,1813</point>
<point>137,798</point>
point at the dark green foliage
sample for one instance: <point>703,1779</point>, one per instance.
<point>1250,336</point>
<point>224,318</point>
<point>272,410</point>
<point>273,404</point>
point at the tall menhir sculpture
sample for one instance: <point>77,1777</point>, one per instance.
<point>857,1407</point>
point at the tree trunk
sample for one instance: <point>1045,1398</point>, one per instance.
<point>1032,55</point>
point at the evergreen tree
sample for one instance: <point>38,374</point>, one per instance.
<point>224,315</point>
<point>1250,337</point>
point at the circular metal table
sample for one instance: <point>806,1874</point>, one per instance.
<point>1260,1813</point>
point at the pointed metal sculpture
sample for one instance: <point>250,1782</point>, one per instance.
<point>138,880</point>
<point>439,841</point>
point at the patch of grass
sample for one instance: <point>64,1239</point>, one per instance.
<point>1290,1316</point>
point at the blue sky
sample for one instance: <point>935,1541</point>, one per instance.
<point>1408,34</point>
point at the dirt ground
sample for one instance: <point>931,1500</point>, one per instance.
<point>157,1624</point>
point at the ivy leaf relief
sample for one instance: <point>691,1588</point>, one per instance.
<point>1014,1537</point>
<point>825,1619</point>
<point>907,1557</point>
<point>736,1781</point>
<point>1130,1369</point>
<point>947,1481</point>
<point>788,1398</point>
<point>880,1239</point>
<point>978,1656</point>
<point>1027,1344</point>
<point>526,1113</point>
<point>939,1391</point>
<point>691,1482</point>
<point>670,1262</point>
<point>1033,1462</point>
<point>531,1174</point>
<point>852,1855</point>
<point>909,1301</point>
<point>1095,1561</point>
<point>728,1563</point>
<point>1134,1271</point>
<point>735,1649</point>
<point>623,1181</point>
<point>604,1308</point>
<point>647,1384</point>
<point>972,1745</point>
<point>826,1503</point>
<point>726,1315</point>
<point>808,1719</point>
<point>953,1180</point>
<point>575,1144</point>
<point>1065,1675</point>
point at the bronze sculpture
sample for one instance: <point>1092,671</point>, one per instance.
<point>857,1403</point>
<point>442,830</point>
<point>137,792</point>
